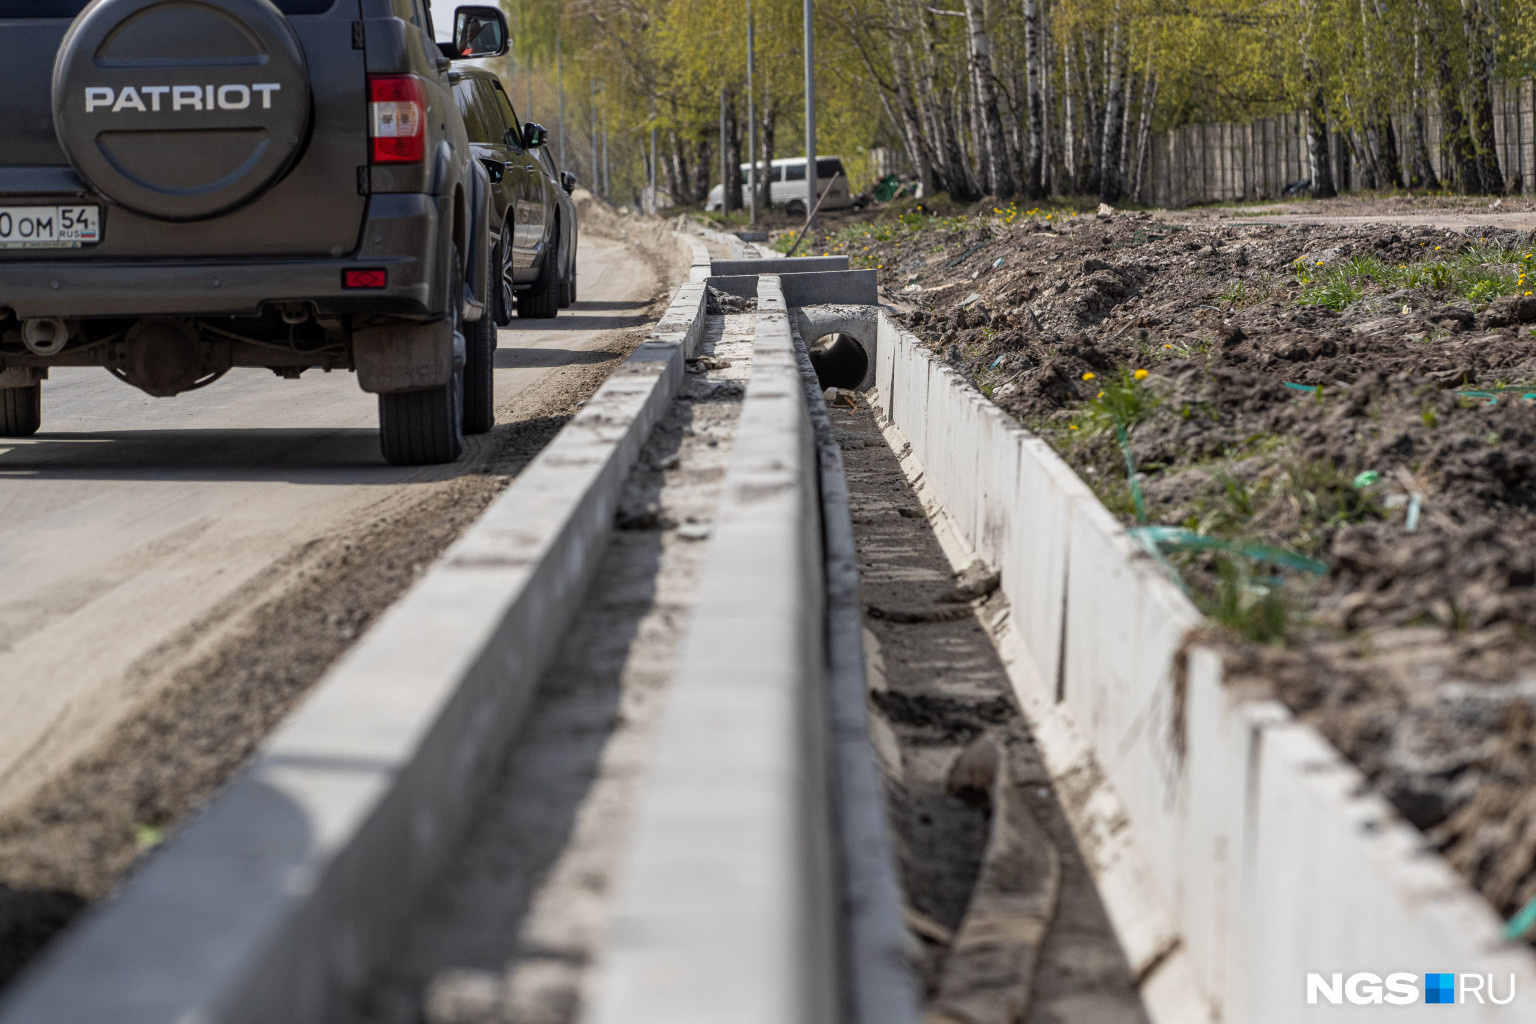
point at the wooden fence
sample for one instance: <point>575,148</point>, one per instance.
<point>1222,163</point>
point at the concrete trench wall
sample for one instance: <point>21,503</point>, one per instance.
<point>1267,852</point>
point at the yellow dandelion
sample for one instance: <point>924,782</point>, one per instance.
<point>1088,376</point>
<point>1099,395</point>
<point>1167,346</point>
<point>1319,262</point>
<point>1140,374</point>
<point>1437,248</point>
<point>1072,426</point>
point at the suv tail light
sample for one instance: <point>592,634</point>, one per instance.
<point>397,119</point>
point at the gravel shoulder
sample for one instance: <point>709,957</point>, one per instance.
<point>241,560</point>
<point>1326,426</point>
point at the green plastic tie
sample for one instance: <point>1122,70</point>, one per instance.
<point>1521,924</point>
<point>1130,475</point>
<point>1366,479</point>
<point>1177,537</point>
<point>1495,393</point>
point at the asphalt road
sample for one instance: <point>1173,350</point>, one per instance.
<point>133,528</point>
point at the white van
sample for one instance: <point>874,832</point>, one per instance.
<point>787,184</point>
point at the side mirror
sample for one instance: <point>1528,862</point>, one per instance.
<point>534,135</point>
<point>568,182</point>
<point>478,32</point>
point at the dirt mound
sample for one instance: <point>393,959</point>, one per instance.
<point>1335,428</point>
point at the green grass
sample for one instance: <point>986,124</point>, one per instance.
<point>1468,275</point>
<point>1256,608</point>
<point>1247,291</point>
<point>1122,401</point>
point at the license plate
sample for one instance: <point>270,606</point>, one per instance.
<point>49,227</point>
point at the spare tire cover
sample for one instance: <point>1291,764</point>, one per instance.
<point>181,109</point>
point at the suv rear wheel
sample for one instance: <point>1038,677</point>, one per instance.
<point>21,411</point>
<point>420,428</point>
<point>542,301</point>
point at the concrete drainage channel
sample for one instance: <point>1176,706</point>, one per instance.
<point>750,872</point>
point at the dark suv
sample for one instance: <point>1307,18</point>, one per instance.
<point>190,187</point>
<point>528,262</point>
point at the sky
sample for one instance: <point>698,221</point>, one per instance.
<point>442,18</point>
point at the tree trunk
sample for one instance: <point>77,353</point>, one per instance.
<point>1317,137</point>
<point>963,184</point>
<point>1071,119</point>
<point>1126,135</point>
<point>1092,120</point>
<point>992,143</point>
<point>1388,161</point>
<point>1109,150</point>
<point>733,160</point>
<point>1316,111</point>
<point>703,165</point>
<point>1361,144</point>
<point>1144,136</point>
<point>677,169</point>
<point>1034,174</point>
<point>1461,156</point>
<point>1421,171</point>
<point>1480,60</point>
<point>765,158</point>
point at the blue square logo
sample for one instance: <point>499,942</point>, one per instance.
<point>1439,988</point>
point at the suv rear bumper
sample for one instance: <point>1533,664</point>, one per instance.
<point>399,235</point>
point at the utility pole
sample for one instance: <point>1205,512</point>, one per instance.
<point>560,88</point>
<point>655,199</point>
<point>810,113</point>
<point>751,129</point>
<point>607,169</point>
<point>725,180</point>
<point>592,116</point>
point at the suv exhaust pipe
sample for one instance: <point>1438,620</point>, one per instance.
<point>45,337</point>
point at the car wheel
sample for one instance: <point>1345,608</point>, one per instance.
<point>542,301</point>
<point>479,372</point>
<point>503,296</point>
<point>425,427</point>
<point>21,410</point>
<point>795,208</point>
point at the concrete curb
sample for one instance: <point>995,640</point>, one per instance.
<point>698,268</point>
<point>725,908</point>
<point>276,903</point>
<point>780,265</point>
<point>821,287</point>
<point>1229,840</point>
